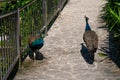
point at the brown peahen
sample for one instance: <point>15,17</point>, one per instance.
<point>36,43</point>
<point>91,39</point>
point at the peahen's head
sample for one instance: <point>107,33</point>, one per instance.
<point>86,18</point>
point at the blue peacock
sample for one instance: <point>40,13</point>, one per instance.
<point>91,39</point>
<point>36,43</point>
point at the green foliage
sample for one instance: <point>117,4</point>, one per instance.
<point>102,54</point>
<point>30,17</point>
<point>52,6</point>
<point>111,16</point>
<point>30,21</point>
<point>9,6</point>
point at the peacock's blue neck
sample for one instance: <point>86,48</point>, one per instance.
<point>87,27</point>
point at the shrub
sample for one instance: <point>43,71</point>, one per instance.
<point>111,15</point>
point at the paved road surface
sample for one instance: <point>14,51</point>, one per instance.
<point>65,61</point>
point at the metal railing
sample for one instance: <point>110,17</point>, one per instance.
<point>17,26</point>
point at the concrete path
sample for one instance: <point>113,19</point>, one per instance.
<point>63,50</point>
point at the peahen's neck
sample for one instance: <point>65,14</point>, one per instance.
<point>87,26</point>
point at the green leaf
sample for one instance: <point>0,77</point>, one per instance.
<point>115,18</point>
<point>102,54</point>
<point>117,3</point>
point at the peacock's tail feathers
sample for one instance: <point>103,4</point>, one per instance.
<point>39,55</point>
<point>31,54</point>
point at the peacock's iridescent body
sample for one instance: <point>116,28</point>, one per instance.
<point>36,43</point>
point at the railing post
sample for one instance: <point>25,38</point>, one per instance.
<point>60,5</point>
<point>45,16</point>
<point>18,37</point>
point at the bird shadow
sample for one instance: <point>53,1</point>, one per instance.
<point>112,49</point>
<point>86,54</point>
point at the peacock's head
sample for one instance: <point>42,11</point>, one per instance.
<point>86,18</point>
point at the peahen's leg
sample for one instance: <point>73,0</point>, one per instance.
<point>92,56</point>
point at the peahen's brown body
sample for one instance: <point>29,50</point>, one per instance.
<point>91,39</point>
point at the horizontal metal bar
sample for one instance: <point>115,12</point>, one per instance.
<point>8,14</point>
<point>6,0</point>
<point>42,29</point>
<point>27,5</point>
